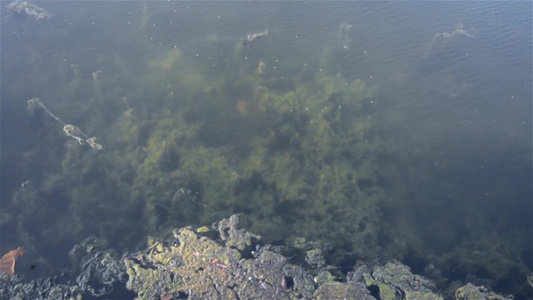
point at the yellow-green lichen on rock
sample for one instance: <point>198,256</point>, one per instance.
<point>204,269</point>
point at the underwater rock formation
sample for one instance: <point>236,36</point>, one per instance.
<point>204,263</point>
<point>471,292</point>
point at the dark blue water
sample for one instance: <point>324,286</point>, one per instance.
<point>449,118</point>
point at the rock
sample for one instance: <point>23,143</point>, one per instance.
<point>215,264</point>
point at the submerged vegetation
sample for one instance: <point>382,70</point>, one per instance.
<point>295,160</point>
<point>297,154</point>
<point>298,149</point>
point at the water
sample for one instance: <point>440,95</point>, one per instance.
<point>441,163</point>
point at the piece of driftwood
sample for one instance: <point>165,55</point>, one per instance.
<point>7,262</point>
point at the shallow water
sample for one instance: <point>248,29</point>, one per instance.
<point>447,123</point>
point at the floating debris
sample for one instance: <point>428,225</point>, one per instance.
<point>7,262</point>
<point>30,9</point>
<point>442,38</point>
<point>254,37</point>
<point>260,67</point>
<point>344,38</point>
<point>98,81</point>
<point>72,131</point>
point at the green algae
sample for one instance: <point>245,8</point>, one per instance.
<point>299,156</point>
<point>187,147</point>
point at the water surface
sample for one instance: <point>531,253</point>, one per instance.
<point>425,153</point>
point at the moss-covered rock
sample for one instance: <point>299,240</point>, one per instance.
<point>203,269</point>
<point>220,264</point>
<point>395,281</point>
<point>473,292</point>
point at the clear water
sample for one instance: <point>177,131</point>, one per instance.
<point>444,182</point>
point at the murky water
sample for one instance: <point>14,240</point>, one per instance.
<point>445,114</point>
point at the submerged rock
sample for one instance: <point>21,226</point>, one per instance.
<point>197,267</point>
<point>219,264</point>
<point>395,281</point>
<point>472,292</point>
